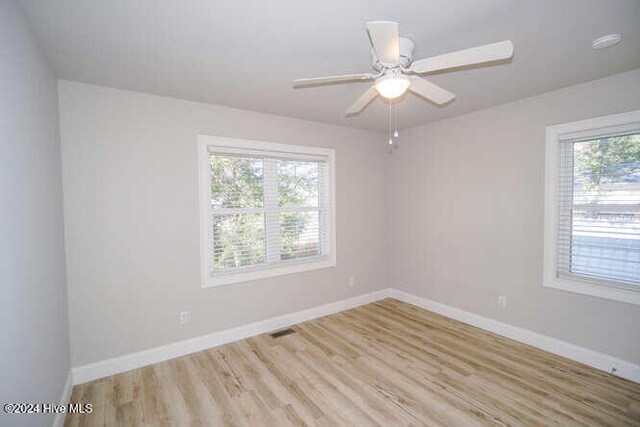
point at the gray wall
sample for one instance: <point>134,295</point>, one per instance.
<point>466,199</point>
<point>131,215</point>
<point>34,347</point>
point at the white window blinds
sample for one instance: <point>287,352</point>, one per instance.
<point>599,209</point>
<point>267,210</point>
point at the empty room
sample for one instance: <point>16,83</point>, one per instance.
<point>337,213</point>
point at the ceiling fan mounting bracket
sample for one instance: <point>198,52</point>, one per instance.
<point>406,56</point>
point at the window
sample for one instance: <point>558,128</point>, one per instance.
<point>266,209</point>
<point>592,222</point>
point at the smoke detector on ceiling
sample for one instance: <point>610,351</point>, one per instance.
<point>606,41</point>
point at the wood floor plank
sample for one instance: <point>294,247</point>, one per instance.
<point>485,362</point>
<point>384,364</point>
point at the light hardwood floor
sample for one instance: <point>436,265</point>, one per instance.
<point>386,363</point>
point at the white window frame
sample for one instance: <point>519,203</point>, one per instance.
<point>206,144</point>
<point>596,127</point>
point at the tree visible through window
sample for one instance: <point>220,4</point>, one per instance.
<point>298,186</point>
<point>236,192</point>
<point>605,208</point>
<point>264,210</point>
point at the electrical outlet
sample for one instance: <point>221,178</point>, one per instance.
<point>185,316</point>
<point>352,282</point>
<point>502,301</point>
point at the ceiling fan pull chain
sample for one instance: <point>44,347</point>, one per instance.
<point>395,118</point>
<point>389,122</point>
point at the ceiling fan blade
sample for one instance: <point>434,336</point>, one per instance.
<point>384,38</point>
<point>333,79</point>
<point>364,100</point>
<point>430,91</point>
<point>475,55</point>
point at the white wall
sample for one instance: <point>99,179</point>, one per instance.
<point>466,199</point>
<point>34,342</point>
<point>131,215</point>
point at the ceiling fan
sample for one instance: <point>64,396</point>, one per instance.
<point>392,59</point>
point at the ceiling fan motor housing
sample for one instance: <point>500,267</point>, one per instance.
<point>406,55</point>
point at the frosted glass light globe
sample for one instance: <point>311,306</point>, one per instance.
<point>392,86</point>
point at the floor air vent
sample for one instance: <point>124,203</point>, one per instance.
<point>282,333</point>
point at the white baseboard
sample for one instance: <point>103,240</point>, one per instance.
<point>58,421</point>
<point>105,368</point>
<point>604,362</point>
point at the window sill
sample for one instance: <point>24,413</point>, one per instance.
<point>229,278</point>
<point>630,296</point>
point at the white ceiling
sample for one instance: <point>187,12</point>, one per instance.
<point>245,54</point>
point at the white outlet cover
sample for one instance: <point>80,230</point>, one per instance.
<point>184,317</point>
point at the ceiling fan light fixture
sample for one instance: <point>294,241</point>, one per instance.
<point>392,86</point>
